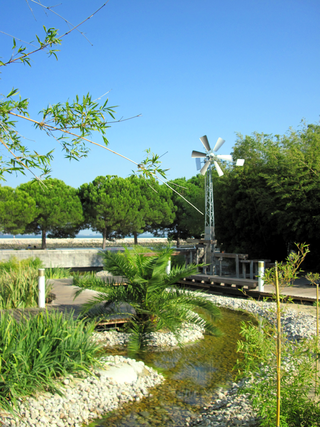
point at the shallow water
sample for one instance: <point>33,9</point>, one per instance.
<point>192,375</point>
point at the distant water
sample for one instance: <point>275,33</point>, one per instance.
<point>32,236</point>
<point>86,236</point>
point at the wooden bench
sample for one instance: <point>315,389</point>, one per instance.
<point>237,257</point>
<point>253,263</point>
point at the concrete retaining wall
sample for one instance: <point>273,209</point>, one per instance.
<point>72,258</point>
<point>67,258</point>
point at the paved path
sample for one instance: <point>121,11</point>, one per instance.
<point>64,292</point>
<point>301,288</point>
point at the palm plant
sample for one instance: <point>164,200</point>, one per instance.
<point>157,302</point>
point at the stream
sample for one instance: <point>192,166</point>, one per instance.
<point>192,375</point>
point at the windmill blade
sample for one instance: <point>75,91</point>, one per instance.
<point>205,142</point>
<point>219,143</point>
<point>226,157</point>
<point>198,164</point>
<point>198,154</point>
<point>219,170</point>
<point>205,167</point>
<point>240,162</point>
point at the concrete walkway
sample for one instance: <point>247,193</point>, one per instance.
<point>64,292</point>
<point>300,288</point>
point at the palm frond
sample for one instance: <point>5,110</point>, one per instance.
<point>116,264</point>
<point>179,273</point>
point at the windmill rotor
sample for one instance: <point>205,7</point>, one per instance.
<point>210,156</point>
<point>205,142</point>
<point>218,169</point>
<point>198,154</point>
<point>205,167</point>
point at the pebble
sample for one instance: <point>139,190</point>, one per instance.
<point>93,395</point>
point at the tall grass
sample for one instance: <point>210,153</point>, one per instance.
<point>19,283</point>
<point>38,350</point>
<point>58,273</point>
<point>16,265</point>
<point>19,288</point>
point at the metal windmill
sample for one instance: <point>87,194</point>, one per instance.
<point>210,159</point>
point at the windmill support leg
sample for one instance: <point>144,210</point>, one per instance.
<point>210,258</point>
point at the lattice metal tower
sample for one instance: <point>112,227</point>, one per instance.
<point>209,209</point>
<point>209,231</point>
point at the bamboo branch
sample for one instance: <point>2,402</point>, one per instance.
<point>60,16</point>
<point>278,349</point>
<point>89,17</point>
<point>44,46</point>
<point>50,127</point>
<point>181,196</point>
<point>16,38</point>
<point>18,160</point>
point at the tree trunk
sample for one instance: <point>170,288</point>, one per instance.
<point>178,240</point>
<point>43,239</point>
<point>104,237</point>
<point>135,235</point>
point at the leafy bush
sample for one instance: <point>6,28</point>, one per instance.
<point>36,351</point>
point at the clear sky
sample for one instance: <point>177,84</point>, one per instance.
<point>189,67</point>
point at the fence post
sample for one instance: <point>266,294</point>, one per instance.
<point>168,267</point>
<point>41,288</point>
<point>260,275</point>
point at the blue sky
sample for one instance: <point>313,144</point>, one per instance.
<point>189,67</point>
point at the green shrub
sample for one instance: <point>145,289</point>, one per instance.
<point>16,265</point>
<point>297,377</point>
<point>57,273</point>
<point>89,281</point>
<point>38,350</point>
